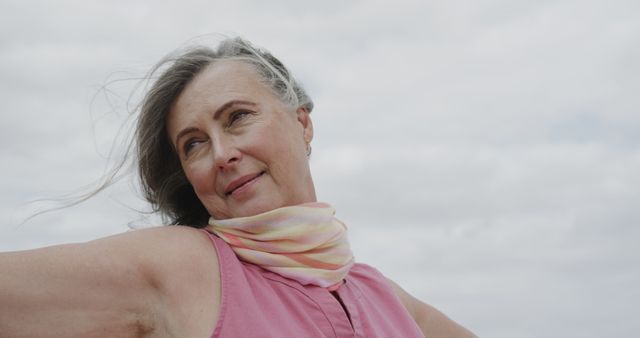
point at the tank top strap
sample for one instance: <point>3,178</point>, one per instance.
<point>225,254</point>
<point>226,260</point>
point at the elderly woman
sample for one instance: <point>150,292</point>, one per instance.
<point>223,142</point>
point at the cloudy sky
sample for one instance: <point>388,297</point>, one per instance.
<point>486,154</point>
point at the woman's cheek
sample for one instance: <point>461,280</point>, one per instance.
<point>200,177</point>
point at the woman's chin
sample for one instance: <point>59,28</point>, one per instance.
<point>255,207</point>
<point>260,204</point>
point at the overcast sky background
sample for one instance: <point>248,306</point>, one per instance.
<point>486,154</point>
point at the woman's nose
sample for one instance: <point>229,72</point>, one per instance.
<point>225,153</point>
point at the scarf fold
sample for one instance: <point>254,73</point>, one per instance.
<point>305,243</point>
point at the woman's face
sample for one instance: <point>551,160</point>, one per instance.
<point>242,149</point>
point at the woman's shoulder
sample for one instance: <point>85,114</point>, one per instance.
<point>178,258</point>
<point>171,237</point>
<point>165,247</point>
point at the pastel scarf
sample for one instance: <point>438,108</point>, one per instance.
<point>304,242</point>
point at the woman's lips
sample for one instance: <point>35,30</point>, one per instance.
<point>241,182</point>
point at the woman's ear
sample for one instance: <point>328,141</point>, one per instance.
<point>307,125</point>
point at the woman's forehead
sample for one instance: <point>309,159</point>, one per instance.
<point>225,76</point>
<point>220,83</point>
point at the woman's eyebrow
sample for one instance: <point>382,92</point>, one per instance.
<point>229,104</point>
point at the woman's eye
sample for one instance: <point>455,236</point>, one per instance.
<point>190,144</point>
<point>237,115</point>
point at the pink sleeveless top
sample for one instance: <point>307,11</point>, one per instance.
<point>259,303</point>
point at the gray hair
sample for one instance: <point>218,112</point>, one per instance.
<point>163,181</point>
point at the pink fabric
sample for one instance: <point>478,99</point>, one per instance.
<point>259,303</point>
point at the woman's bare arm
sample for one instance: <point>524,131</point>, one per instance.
<point>432,322</point>
<point>147,283</point>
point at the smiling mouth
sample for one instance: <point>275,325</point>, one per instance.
<point>241,182</point>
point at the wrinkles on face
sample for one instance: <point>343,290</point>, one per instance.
<point>233,133</point>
